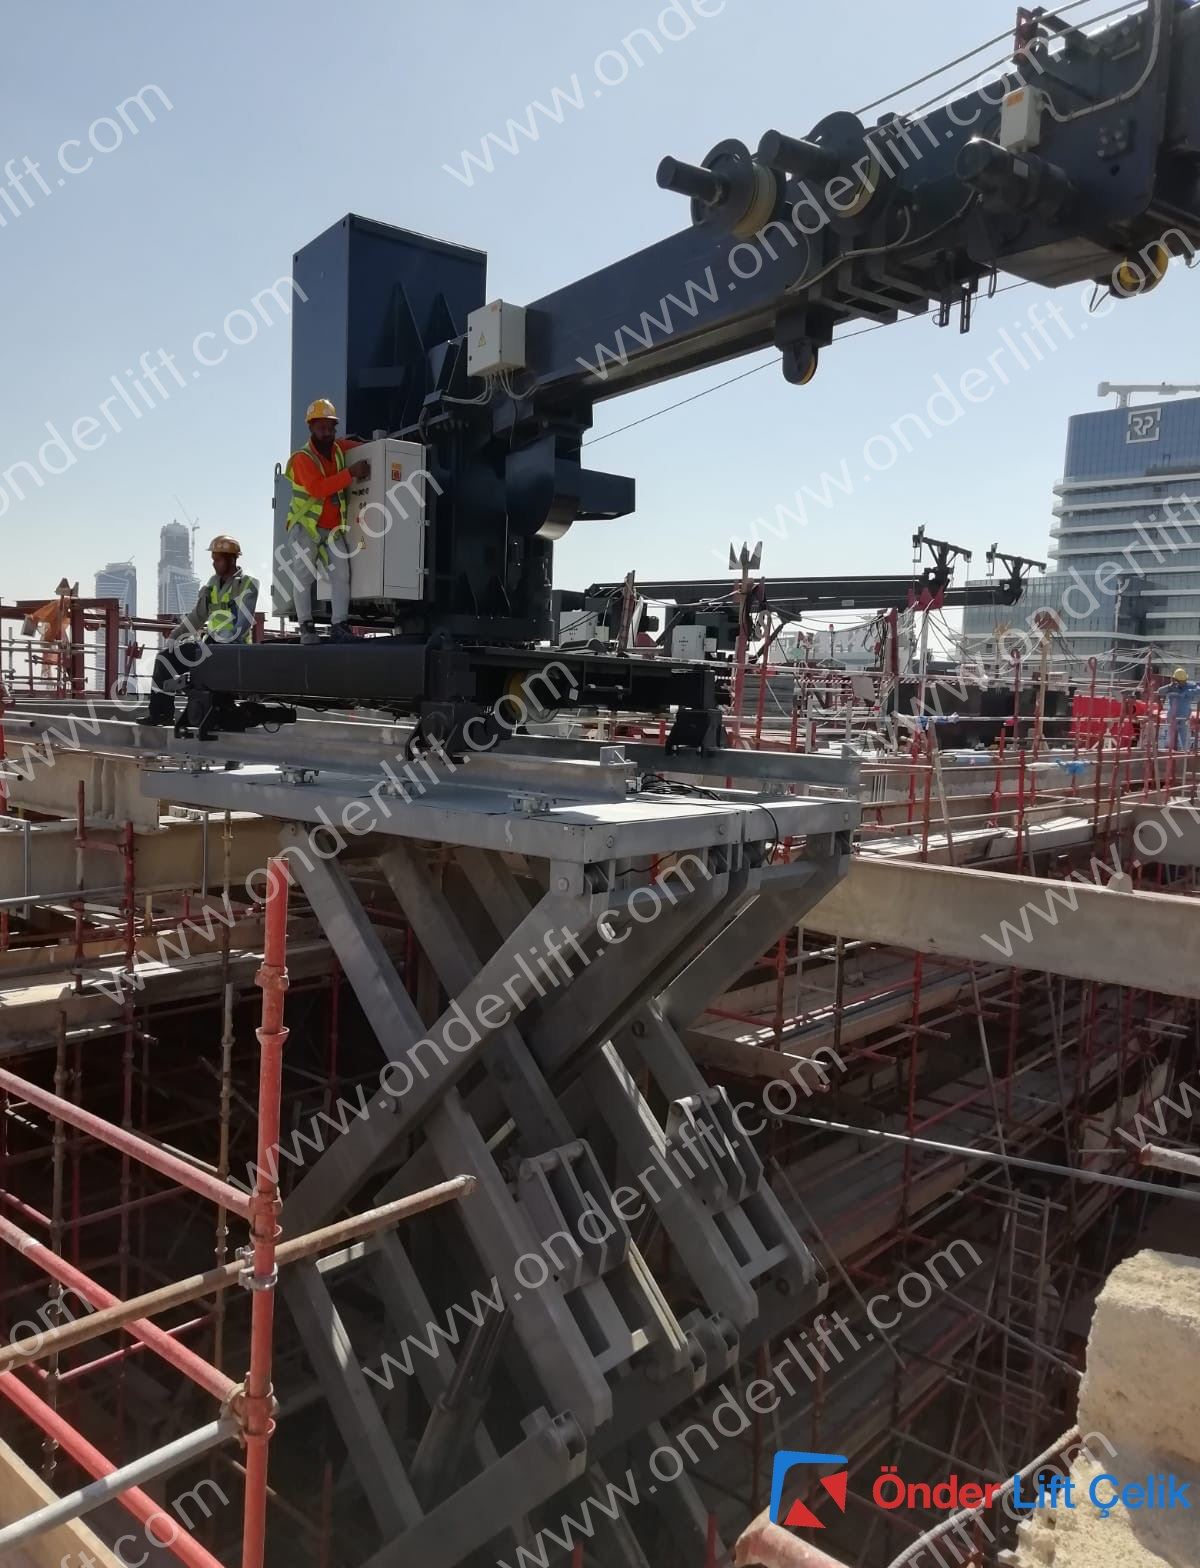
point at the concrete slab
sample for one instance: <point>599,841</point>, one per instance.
<point>1148,940</point>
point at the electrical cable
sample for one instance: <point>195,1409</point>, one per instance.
<point>1000,38</point>
<point>771,815</point>
<point>1117,98</point>
<point>939,71</point>
<point>871,250</point>
<point>877,326</point>
<point>683,402</point>
<point>692,604</point>
<point>656,784</point>
<point>468,402</point>
<point>1007,60</point>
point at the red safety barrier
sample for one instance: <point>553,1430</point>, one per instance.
<point>1096,718</point>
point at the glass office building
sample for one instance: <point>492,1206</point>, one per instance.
<point>1125,542</point>
<point>117,580</point>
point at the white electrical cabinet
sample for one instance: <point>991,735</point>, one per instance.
<point>386,527</point>
<point>688,642</point>
<point>1021,119</point>
<point>579,626</point>
<point>495,339</point>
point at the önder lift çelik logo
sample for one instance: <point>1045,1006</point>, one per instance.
<point>1044,1490</point>
<point>799,1514</point>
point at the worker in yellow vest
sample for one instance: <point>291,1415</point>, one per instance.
<point>316,522</point>
<point>224,613</point>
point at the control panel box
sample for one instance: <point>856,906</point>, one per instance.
<point>580,626</point>
<point>689,642</point>
<point>1021,119</point>
<point>495,339</point>
<point>386,529</point>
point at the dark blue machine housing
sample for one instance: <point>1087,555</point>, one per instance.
<point>376,301</point>
<point>380,329</point>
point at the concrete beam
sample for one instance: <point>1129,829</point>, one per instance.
<point>202,933</point>
<point>1147,940</point>
<point>38,859</point>
<point>750,1049</point>
<point>746,1060</point>
<point>1167,835</point>
<point>32,1007</point>
<point>112,788</point>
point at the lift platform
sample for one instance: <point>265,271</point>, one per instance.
<point>578,905</point>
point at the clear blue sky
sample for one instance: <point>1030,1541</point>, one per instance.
<point>285,116</point>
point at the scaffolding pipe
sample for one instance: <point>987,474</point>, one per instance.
<point>161,1462</point>
<point>1071,1172</point>
<point>201,1372</point>
<point>258,1403</point>
<point>160,1160</point>
<point>1169,1160</point>
<point>115,1357</point>
<point>143,1508</point>
<point>66,1336</point>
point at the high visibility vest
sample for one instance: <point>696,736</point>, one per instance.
<point>224,601</point>
<point>305,510</point>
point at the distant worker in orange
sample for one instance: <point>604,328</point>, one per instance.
<point>316,520</point>
<point>50,623</point>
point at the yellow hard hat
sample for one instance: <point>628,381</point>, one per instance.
<point>225,544</point>
<point>1180,674</point>
<point>321,408</point>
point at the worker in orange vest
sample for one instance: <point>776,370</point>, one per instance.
<point>50,624</point>
<point>316,520</point>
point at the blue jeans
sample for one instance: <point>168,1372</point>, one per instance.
<point>1181,726</point>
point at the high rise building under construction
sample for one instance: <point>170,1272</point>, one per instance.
<point>178,584</point>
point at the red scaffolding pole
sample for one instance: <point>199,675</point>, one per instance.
<point>258,1405</point>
